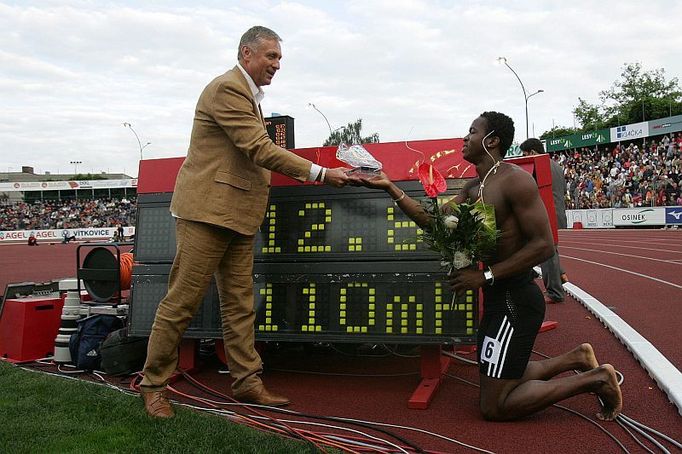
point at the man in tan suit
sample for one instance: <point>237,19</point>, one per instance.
<point>220,199</point>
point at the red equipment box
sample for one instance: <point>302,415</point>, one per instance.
<point>28,327</point>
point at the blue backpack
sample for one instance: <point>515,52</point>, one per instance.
<point>85,343</point>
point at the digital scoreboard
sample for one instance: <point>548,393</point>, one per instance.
<point>342,265</point>
<point>281,130</point>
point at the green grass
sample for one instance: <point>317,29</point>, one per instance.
<point>45,414</point>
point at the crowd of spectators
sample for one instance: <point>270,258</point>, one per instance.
<point>641,173</point>
<point>67,214</point>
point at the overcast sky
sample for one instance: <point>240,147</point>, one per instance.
<point>72,72</point>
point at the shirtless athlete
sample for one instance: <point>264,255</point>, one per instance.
<point>512,386</point>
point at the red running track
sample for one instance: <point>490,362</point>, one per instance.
<point>637,274</point>
<point>325,382</point>
<point>42,263</point>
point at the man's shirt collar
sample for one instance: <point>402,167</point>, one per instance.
<point>257,92</point>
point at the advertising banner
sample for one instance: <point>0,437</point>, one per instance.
<point>673,215</point>
<point>585,139</point>
<point>630,132</point>
<point>58,234</point>
<point>665,125</point>
<point>632,217</point>
<point>606,218</point>
<point>591,219</point>
<point>23,186</point>
<point>618,134</point>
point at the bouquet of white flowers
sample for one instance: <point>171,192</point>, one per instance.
<point>463,235</point>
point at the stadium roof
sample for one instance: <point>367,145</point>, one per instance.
<point>27,174</point>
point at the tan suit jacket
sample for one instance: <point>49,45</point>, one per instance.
<point>225,179</point>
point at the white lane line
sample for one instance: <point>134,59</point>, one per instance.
<point>637,240</point>
<point>622,270</point>
<point>664,373</point>
<point>620,245</point>
<point>672,262</point>
<point>630,239</point>
<point>643,243</point>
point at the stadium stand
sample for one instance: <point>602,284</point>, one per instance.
<point>68,214</point>
<point>65,201</point>
<point>623,175</point>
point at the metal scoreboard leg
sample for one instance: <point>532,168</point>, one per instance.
<point>433,365</point>
<point>548,325</point>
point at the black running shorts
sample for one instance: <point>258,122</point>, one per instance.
<point>513,310</point>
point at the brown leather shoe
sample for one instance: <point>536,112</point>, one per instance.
<point>260,395</point>
<point>156,405</point>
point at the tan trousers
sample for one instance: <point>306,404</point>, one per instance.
<point>202,251</point>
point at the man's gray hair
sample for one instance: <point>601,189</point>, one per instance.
<point>254,36</point>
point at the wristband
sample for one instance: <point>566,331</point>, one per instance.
<point>402,196</point>
<point>323,173</point>
<point>489,276</point>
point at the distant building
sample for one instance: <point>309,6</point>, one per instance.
<point>28,186</point>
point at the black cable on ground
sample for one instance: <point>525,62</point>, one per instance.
<point>401,439</point>
<point>654,431</point>
<point>634,437</point>
<point>289,430</point>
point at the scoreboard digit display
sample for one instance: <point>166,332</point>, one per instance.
<point>342,265</point>
<point>351,303</point>
<point>350,226</point>
<point>305,223</point>
<point>395,302</point>
<point>281,130</point>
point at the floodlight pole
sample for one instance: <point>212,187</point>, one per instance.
<point>75,166</point>
<point>142,147</point>
<point>525,95</point>
<point>331,131</point>
<point>323,116</point>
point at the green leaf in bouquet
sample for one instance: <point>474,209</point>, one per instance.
<point>472,231</point>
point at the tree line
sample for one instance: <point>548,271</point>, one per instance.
<point>635,97</point>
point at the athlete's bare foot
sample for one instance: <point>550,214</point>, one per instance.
<point>585,357</point>
<point>609,392</point>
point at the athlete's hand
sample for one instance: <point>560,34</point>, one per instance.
<point>466,279</point>
<point>377,180</point>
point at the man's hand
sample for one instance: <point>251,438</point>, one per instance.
<point>336,177</point>
<point>466,279</point>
